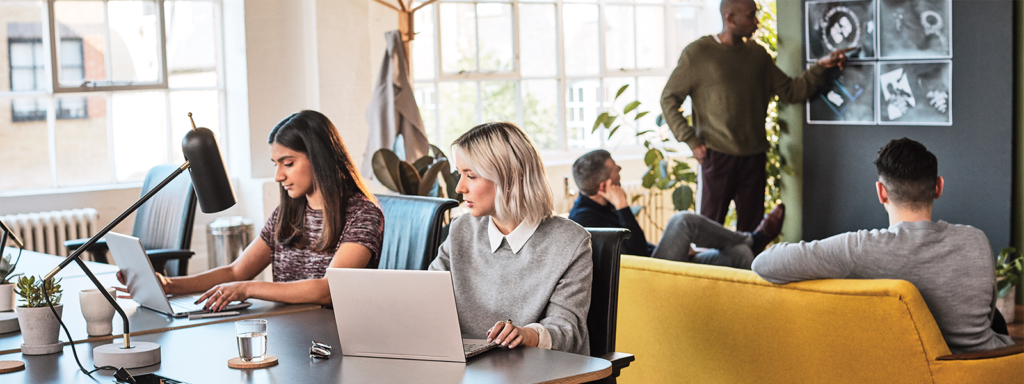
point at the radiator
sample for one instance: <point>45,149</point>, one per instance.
<point>657,209</point>
<point>46,231</point>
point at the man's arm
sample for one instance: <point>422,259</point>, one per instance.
<point>797,89</point>
<point>830,258</point>
<point>677,89</point>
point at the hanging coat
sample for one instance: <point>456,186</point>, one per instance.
<point>393,109</point>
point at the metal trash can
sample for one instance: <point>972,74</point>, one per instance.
<point>226,238</point>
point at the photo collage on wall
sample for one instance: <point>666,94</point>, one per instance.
<point>900,69</point>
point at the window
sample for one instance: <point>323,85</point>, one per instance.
<point>124,76</point>
<point>550,66</point>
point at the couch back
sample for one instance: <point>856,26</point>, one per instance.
<point>706,324</point>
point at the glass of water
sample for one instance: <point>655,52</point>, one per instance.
<point>252,339</point>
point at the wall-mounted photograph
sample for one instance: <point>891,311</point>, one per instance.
<point>848,97</point>
<point>915,29</point>
<point>915,92</point>
<point>833,25</point>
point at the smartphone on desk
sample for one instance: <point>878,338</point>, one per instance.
<point>152,378</point>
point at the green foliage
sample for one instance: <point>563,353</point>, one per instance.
<point>7,269</point>
<point>32,293</point>
<point>1009,270</point>
<point>768,38</point>
<point>417,178</point>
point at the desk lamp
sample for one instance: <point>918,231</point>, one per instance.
<point>212,187</point>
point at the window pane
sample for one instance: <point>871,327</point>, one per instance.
<point>540,112</point>
<point>495,24</point>
<point>71,61</point>
<point>26,153</point>
<point>426,99</point>
<point>140,138</point>
<point>423,45</point>
<point>134,39</point>
<point>499,101</point>
<point>205,108</point>
<point>191,43</point>
<point>537,38</point>
<point>649,88</point>
<point>581,40</point>
<point>650,37</point>
<point>83,20</point>
<point>458,37</point>
<point>83,152</point>
<point>22,23</point>
<point>457,109</point>
<point>581,110</point>
<point>620,46</point>
<point>626,134</point>
<point>684,29</point>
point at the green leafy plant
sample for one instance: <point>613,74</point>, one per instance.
<point>7,269</point>
<point>419,177</point>
<point>1009,270</point>
<point>32,292</point>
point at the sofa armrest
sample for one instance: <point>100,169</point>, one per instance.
<point>97,249</point>
<point>619,361</point>
<point>998,352</point>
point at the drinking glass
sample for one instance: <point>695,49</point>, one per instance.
<point>252,339</point>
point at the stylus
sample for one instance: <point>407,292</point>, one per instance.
<point>196,316</point>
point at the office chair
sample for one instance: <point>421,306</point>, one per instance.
<point>164,224</point>
<point>604,298</point>
<point>412,230</point>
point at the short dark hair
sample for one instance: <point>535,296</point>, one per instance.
<point>590,171</point>
<point>909,173</point>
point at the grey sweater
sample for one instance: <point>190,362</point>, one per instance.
<point>951,265</point>
<point>547,282</point>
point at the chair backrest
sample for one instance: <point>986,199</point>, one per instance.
<point>604,296</point>
<point>412,230</point>
<point>165,221</point>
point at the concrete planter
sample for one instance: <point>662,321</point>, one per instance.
<point>6,297</point>
<point>39,330</point>
<point>1005,305</point>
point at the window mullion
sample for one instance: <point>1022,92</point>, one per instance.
<point>476,35</point>
<point>563,136</point>
<point>601,70</point>
<point>108,59</point>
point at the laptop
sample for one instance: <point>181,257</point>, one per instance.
<point>399,314</point>
<point>142,282</point>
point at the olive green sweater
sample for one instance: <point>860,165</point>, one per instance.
<point>730,88</point>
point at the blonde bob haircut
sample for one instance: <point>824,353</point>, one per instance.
<point>502,153</point>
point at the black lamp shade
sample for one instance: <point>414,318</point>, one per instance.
<point>206,166</point>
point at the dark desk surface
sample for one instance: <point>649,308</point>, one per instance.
<point>141,320</point>
<point>200,355</point>
<point>35,263</point>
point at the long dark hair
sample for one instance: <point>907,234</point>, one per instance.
<point>334,175</point>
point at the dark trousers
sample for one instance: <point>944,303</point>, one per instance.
<point>726,178</point>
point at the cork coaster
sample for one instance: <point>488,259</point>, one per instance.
<point>237,363</point>
<point>8,366</point>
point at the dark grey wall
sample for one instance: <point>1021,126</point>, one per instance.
<point>974,153</point>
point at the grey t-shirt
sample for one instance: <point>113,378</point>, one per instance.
<point>951,265</point>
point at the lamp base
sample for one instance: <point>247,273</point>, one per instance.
<point>9,322</point>
<point>44,349</point>
<point>140,355</point>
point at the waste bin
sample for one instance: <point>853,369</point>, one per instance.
<point>226,238</point>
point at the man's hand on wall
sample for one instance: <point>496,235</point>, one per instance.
<point>836,58</point>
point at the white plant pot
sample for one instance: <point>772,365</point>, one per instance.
<point>6,297</point>
<point>1006,305</point>
<point>40,330</point>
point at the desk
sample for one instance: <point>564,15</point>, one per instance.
<point>141,320</point>
<point>200,355</point>
<point>38,264</point>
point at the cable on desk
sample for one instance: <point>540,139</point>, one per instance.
<point>70,339</point>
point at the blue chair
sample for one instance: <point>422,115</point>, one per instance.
<point>412,230</point>
<point>606,244</point>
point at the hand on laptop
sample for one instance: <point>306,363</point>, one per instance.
<point>511,336</point>
<point>221,295</point>
<point>120,278</point>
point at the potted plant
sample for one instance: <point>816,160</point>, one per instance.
<point>1009,272</point>
<point>39,328</point>
<point>6,287</point>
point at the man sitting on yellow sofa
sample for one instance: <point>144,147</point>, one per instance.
<point>950,264</point>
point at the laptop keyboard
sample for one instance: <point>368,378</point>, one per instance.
<point>183,304</point>
<point>473,349</point>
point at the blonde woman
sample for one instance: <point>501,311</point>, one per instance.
<point>521,275</point>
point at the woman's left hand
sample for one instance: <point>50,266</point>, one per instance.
<point>509,335</point>
<point>221,295</point>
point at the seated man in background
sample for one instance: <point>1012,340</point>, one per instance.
<point>950,264</point>
<point>603,204</point>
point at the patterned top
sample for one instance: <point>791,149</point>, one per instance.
<point>364,225</point>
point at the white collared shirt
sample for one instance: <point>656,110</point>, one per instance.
<point>516,240</point>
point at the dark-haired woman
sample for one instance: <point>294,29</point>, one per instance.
<point>326,219</point>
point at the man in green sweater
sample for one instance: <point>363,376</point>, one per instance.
<point>730,80</point>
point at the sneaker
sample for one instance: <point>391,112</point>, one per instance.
<point>769,228</point>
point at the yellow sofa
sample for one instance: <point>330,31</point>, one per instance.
<point>705,324</point>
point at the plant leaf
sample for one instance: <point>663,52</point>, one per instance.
<point>608,120</point>
<point>653,156</point>
<point>640,114</point>
<point>613,131</point>
<point>422,164</point>
<point>409,178</point>
<point>641,133</point>
<point>599,121</point>
<point>429,180</point>
<point>682,197</point>
<point>621,89</point>
<point>385,168</point>
<point>630,107</point>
